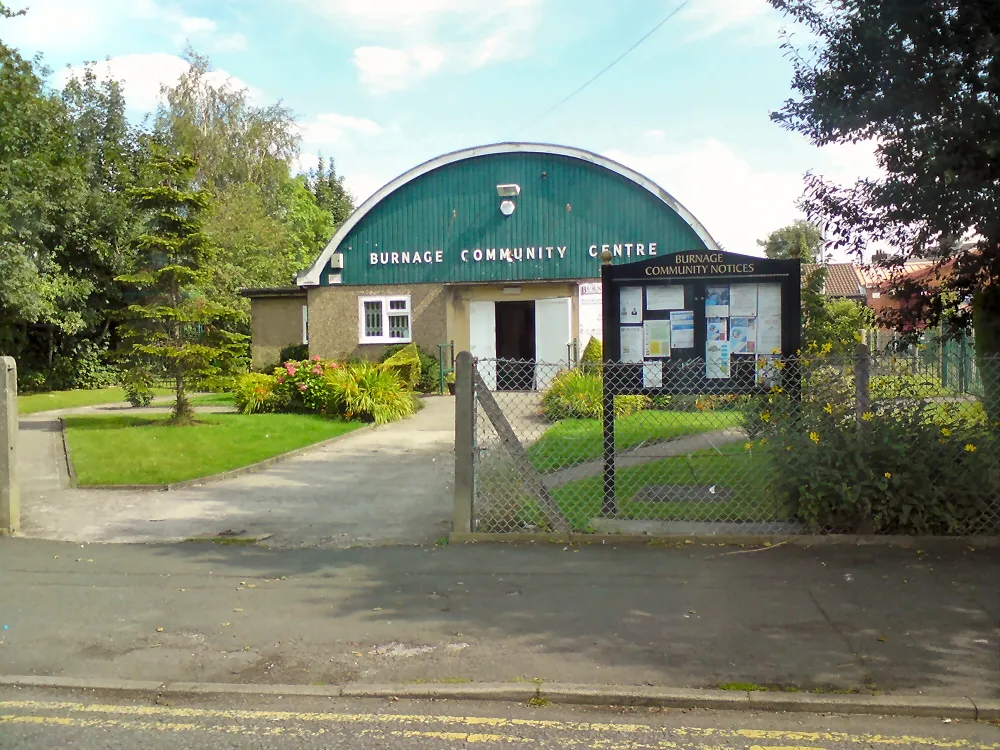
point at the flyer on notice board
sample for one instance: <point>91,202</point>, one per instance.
<point>769,318</point>
<point>717,359</point>
<point>717,301</point>
<point>743,300</point>
<point>652,374</point>
<point>665,297</point>
<point>682,329</point>
<point>657,335</point>
<point>743,335</point>
<point>717,329</point>
<point>630,301</point>
<point>631,337</point>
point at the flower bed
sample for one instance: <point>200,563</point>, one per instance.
<point>360,391</point>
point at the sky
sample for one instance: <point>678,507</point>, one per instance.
<point>384,85</point>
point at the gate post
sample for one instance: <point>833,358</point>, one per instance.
<point>10,498</point>
<point>465,416</point>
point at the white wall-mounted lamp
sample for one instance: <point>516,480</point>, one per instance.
<point>507,207</point>
<point>508,190</point>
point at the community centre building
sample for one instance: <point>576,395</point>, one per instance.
<point>495,248</point>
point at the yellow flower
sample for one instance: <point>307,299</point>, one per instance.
<point>868,416</point>
<point>828,408</point>
<point>859,338</point>
<point>765,416</point>
<point>747,446</point>
<point>970,448</point>
<point>814,436</point>
<point>827,348</point>
<point>777,389</point>
<point>788,448</point>
<point>888,475</point>
<point>945,431</point>
<point>763,441</point>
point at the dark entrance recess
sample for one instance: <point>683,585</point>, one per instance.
<point>515,346</point>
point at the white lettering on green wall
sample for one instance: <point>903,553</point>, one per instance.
<point>526,254</point>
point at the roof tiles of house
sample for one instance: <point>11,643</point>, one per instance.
<point>842,279</point>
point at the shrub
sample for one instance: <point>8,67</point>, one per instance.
<point>908,466</point>
<point>257,393</point>
<point>578,394</point>
<point>592,358</point>
<point>294,352</point>
<point>367,392</point>
<point>137,383</point>
<point>429,380</point>
<point>302,384</point>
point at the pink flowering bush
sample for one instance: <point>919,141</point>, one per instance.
<point>364,391</point>
<point>304,383</point>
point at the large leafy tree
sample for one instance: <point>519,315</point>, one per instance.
<point>172,322</point>
<point>921,81</point>
<point>266,224</point>
<point>800,239</point>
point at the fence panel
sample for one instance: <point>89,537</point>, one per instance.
<point>826,444</point>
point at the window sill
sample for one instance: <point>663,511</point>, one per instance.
<point>385,340</point>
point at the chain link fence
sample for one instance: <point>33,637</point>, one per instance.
<point>865,444</point>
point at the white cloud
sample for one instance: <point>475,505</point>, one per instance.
<point>330,127</point>
<point>409,40</point>
<point>755,20</point>
<point>73,26</point>
<point>737,203</point>
<point>363,185</point>
<point>142,76</point>
<point>409,17</point>
<point>387,69</point>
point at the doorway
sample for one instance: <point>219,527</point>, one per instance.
<point>515,326</point>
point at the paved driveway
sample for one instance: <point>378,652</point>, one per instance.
<point>388,485</point>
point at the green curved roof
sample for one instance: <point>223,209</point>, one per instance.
<point>441,222</point>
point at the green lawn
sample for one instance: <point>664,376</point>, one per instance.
<point>113,449</point>
<point>746,476</point>
<point>36,402</point>
<point>213,399</point>
<point>574,441</point>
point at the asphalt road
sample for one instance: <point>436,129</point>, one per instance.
<point>32,719</point>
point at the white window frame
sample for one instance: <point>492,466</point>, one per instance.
<point>386,312</point>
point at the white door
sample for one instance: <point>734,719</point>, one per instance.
<point>483,339</point>
<point>553,334</point>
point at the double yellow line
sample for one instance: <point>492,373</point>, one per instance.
<point>465,729</point>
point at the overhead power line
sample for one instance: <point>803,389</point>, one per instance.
<point>614,62</point>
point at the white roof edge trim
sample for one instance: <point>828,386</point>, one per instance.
<point>312,276</point>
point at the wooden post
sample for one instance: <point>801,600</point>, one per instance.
<point>465,439</point>
<point>10,497</point>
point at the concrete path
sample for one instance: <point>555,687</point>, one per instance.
<point>386,485</point>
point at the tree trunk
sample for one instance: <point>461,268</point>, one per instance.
<point>986,323</point>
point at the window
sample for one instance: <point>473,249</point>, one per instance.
<point>385,320</point>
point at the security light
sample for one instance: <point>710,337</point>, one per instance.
<point>508,191</point>
<point>507,207</point>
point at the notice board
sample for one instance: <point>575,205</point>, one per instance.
<point>700,322</point>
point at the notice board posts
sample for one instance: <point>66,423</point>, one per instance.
<point>696,323</point>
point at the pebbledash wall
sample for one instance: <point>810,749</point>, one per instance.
<point>433,256</point>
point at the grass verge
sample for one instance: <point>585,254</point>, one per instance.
<point>33,403</point>
<point>573,441</point>
<point>742,481</point>
<point>122,449</point>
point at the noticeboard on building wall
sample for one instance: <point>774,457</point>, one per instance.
<point>700,322</point>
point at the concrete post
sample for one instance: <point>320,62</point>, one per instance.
<point>465,416</point>
<point>10,497</point>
